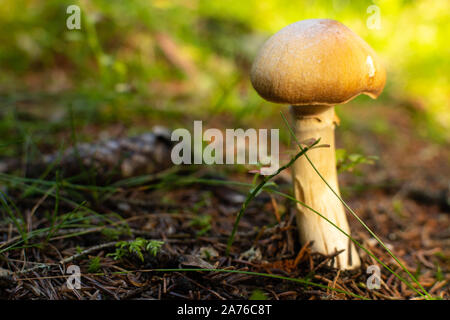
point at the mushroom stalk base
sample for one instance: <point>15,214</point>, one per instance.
<point>319,122</point>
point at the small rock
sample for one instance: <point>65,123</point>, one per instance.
<point>251,254</point>
<point>194,261</point>
<point>208,252</point>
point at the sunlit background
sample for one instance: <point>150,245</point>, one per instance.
<point>137,63</point>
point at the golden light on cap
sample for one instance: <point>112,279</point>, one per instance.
<point>317,61</point>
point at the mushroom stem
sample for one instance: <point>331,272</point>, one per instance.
<point>318,121</point>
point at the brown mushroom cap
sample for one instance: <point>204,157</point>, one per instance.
<point>317,61</point>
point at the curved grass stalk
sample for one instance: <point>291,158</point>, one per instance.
<point>287,196</point>
<point>351,238</point>
<point>187,181</point>
<point>256,190</point>
<point>267,275</point>
<point>353,213</point>
<point>258,274</point>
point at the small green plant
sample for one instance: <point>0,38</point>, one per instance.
<point>205,201</point>
<point>203,222</point>
<point>348,162</point>
<point>258,295</point>
<point>398,207</point>
<point>153,247</point>
<point>136,247</point>
<point>94,265</point>
<point>114,233</point>
<point>439,274</point>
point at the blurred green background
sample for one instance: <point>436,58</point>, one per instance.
<point>136,63</point>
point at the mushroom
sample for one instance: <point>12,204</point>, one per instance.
<point>313,65</point>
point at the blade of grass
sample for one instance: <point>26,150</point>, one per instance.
<point>53,226</point>
<point>19,182</point>
<point>351,238</point>
<point>46,172</point>
<point>256,190</point>
<point>351,211</point>
<point>64,183</point>
<point>12,216</point>
<point>66,223</point>
<point>270,190</point>
<point>190,180</point>
<point>257,274</point>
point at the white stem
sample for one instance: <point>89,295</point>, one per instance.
<point>319,122</point>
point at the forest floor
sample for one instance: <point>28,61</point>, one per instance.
<point>182,218</point>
